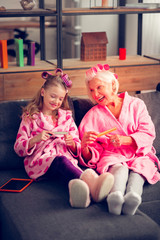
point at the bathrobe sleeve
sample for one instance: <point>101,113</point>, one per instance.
<point>23,137</point>
<point>143,131</point>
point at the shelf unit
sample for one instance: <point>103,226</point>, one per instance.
<point>137,69</point>
<point>98,11</point>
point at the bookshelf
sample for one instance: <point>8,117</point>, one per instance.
<point>136,73</point>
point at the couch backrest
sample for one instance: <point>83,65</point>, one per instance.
<point>152,101</point>
<point>10,113</point>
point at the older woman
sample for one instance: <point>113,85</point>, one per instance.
<point>126,152</point>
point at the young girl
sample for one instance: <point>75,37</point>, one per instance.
<point>48,139</point>
<point>127,152</point>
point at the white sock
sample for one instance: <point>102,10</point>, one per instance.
<point>132,200</point>
<point>115,201</point>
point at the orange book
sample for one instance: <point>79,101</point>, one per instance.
<point>3,53</point>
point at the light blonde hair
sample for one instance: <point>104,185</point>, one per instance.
<point>36,103</point>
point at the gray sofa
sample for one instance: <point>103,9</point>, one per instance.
<point>42,211</point>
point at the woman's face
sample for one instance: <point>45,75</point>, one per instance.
<point>52,98</point>
<point>101,92</point>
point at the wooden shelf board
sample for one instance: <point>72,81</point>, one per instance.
<point>119,10</point>
<point>5,25</point>
<point>113,61</point>
<point>39,66</point>
<point>28,13</point>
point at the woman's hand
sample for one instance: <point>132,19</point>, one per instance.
<point>118,140</point>
<point>88,139</point>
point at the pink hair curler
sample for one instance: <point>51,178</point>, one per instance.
<point>45,75</point>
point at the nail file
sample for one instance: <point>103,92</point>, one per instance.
<point>106,132</point>
<point>60,133</point>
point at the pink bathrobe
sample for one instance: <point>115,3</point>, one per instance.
<point>133,121</point>
<point>39,158</point>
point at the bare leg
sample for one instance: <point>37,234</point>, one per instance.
<point>116,197</point>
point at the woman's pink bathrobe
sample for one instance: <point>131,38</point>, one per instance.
<point>133,121</point>
<point>39,158</point>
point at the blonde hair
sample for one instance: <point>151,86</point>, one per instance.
<point>102,73</point>
<point>36,103</point>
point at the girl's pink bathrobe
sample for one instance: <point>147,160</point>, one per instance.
<point>133,121</point>
<point>39,158</point>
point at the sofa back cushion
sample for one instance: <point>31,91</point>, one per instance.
<point>10,113</point>
<point>152,101</point>
<point>81,107</point>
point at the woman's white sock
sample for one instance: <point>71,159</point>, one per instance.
<point>132,200</point>
<point>115,201</point>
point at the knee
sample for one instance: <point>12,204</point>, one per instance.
<point>119,169</point>
<point>61,160</point>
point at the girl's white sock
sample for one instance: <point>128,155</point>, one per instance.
<point>132,200</point>
<point>115,201</point>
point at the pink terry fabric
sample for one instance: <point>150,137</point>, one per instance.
<point>133,121</point>
<point>39,158</point>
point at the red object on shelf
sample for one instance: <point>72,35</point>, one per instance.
<point>3,54</point>
<point>122,53</point>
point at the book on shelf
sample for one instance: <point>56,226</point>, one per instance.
<point>3,54</point>
<point>19,52</point>
<point>31,54</point>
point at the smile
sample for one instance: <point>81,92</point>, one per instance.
<point>53,105</point>
<point>101,99</point>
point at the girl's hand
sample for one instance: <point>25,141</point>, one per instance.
<point>43,136</point>
<point>70,143</point>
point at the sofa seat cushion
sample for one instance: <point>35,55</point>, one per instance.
<point>42,211</point>
<point>151,209</point>
<point>151,192</point>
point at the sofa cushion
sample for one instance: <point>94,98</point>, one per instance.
<point>81,106</point>
<point>152,101</point>
<point>10,113</point>
<point>42,211</point>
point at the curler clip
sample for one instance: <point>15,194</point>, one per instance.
<point>45,74</point>
<point>64,77</point>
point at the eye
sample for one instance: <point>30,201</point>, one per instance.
<point>99,87</point>
<point>53,96</point>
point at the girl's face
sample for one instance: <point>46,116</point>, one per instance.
<point>101,92</point>
<point>52,98</point>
